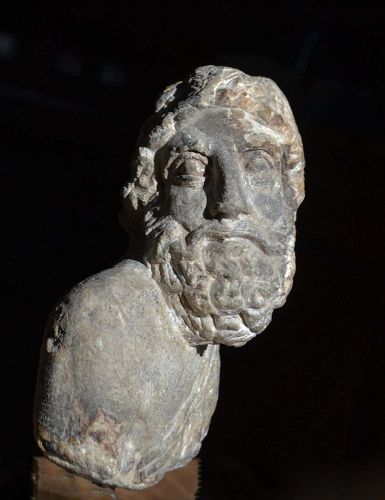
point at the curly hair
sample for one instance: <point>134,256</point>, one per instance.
<point>211,86</point>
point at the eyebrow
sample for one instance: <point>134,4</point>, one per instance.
<point>266,146</point>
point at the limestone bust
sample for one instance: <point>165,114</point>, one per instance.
<point>129,370</point>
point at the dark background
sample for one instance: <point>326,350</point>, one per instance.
<point>77,79</point>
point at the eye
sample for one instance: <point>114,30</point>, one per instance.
<point>258,162</point>
<point>188,170</point>
<point>261,169</point>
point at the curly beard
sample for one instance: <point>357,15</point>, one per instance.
<point>224,281</point>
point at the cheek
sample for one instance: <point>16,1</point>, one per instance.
<point>270,206</point>
<point>187,206</point>
<point>267,198</point>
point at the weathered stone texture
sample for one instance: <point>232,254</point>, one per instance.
<point>129,369</point>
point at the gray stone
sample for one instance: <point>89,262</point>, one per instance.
<point>129,370</point>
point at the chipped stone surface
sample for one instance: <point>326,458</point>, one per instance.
<point>129,370</point>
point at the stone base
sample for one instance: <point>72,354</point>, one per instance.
<point>52,482</point>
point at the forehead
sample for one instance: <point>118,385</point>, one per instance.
<point>211,129</point>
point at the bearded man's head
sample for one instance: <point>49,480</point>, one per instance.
<point>217,179</point>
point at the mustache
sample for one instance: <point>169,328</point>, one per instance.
<point>270,244</point>
<point>166,230</point>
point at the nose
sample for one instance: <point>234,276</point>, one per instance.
<point>229,197</point>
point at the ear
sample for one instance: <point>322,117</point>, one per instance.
<point>293,173</point>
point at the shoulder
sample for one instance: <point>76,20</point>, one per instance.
<point>110,300</point>
<point>128,280</point>
<point>129,271</point>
